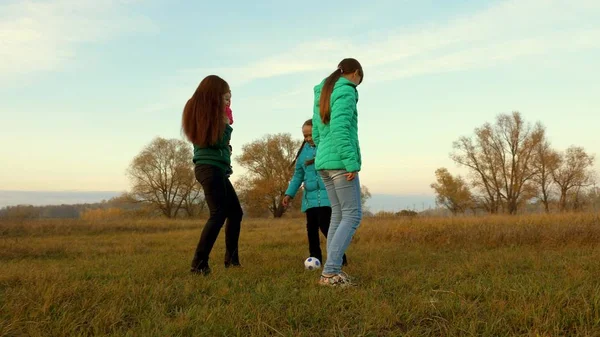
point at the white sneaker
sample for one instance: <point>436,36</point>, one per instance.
<point>339,280</point>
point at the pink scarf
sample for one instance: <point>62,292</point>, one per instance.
<point>229,114</point>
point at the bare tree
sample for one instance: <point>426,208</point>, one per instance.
<point>501,158</point>
<point>572,173</point>
<point>476,155</point>
<point>268,162</point>
<point>193,203</point>
<point>545,162</point>
<point>161,175</point>
<point>452,192</point>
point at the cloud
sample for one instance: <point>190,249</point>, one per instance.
<point>292,61</point>
<point>489,55</point>
<point>505,31</point>
<point>45,35</point>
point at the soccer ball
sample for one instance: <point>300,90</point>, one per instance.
<point>312,263</point>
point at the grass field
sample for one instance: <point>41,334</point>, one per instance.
<point>488,276</point>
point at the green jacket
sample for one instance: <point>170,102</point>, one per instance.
<point>315,194</point>
<point>217,155</point>
<point>337,141</point>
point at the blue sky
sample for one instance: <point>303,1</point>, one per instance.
<point>85,85</point>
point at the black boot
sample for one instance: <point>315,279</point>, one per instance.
<point>201,271</point>
<point>200,267</point>
<point>232,259</point>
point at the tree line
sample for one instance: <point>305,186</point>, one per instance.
<point>73,211</point>
<point>163,183</point>
<point>512,166</point>
<point>162,176</point>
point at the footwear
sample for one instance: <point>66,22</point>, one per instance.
<point>200,271</point>
<point>232,259</point>
<point>346,276</point>
<point>339,280</point>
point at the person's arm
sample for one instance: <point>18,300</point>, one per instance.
<point>340,125</point>
<point>316,136</point>
<point>316,121</point>
<point>297,179</point>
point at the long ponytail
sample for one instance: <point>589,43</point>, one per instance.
<point>346,66</point>
<point>298,153</point>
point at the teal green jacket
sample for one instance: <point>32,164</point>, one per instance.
<point>337,141</point>
<point>218,155</point>
<point>315,194</point>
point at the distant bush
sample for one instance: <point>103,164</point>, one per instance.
<point>406,212</point>
<point>100,214</point>
<point>384,214</point>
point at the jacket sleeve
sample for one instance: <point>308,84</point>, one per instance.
<point>297,178</point>
<point>316,136</point>
<point>342,113</point>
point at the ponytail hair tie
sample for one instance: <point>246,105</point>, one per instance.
<point>341,70</point>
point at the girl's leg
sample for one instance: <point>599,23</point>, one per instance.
<point>312,230</point>
<point>212,180</point>
<point>324,220</point>
<point>336,211</point>
<point>347,196</point>
<point>233,226</point>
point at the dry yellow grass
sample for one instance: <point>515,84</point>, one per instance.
<point>480,276</point>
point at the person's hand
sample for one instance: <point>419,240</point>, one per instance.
<point>350,176</point>
<point>286,201</point>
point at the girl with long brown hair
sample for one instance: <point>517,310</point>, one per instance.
<point>206,125</point>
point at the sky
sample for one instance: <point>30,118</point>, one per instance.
<point>85,85</point>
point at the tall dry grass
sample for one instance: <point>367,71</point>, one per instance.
<point>486,276</point>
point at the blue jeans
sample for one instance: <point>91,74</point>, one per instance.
<point>346,213</point>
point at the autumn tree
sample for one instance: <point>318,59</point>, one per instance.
<point>572,173</point>
<point>162,175</point>
<point>500,158</point>
<point>451,192</point>
<point>268,163</point>
<point>545,162</point>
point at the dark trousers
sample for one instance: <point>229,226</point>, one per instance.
<point>223,204</point>
<point>318,218</point>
